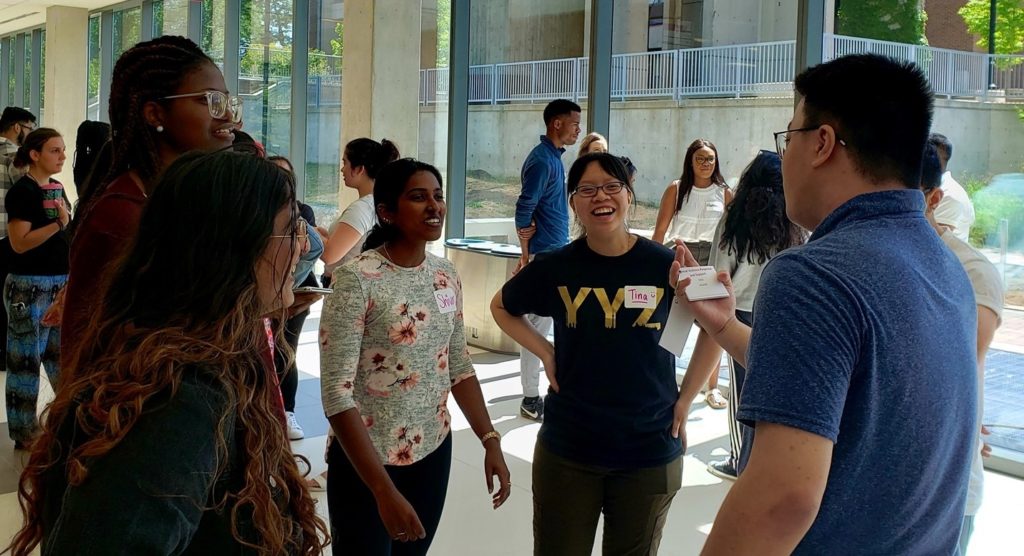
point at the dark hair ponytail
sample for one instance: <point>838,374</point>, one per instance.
<point>371,155</point>
<point>387,189</point>
<point>34,142</point>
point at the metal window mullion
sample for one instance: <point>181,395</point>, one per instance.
<point>810,35</point>
<point>599,87</point>
<point>458,117</point>
<point>195,22</point>
<point>35,72</point>
<point>106,61</point>
<point>300,90</point>
<point>19,70</point>
<point>232,41</point>
<point>146,21</point>
<point>6,44</point>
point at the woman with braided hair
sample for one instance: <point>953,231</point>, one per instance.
<point>167,98</point>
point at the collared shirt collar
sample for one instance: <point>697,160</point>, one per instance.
<point>546,141</point>
<point>872,205</point>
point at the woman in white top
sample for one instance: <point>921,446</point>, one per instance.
<point>362,160</point>
<point>755,229</point>
<point>690,210</point>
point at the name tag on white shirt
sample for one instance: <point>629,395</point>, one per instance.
<point>641,297</point>
<point>445,300</point>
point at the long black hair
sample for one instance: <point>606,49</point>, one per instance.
<point>89,140</point>
<point>756,225</point>
<point>689,178</point>
<point>387,189</point>
<point>371,155</point>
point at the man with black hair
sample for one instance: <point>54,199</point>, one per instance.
<point>865,417</point>
<point>542,222</point>
<point>15,124</point>
<point>956,209</point>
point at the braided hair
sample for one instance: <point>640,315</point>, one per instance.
<point>146,72</point>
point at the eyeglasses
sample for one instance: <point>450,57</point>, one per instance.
<point>610,188</point>
<point>28,126</point>
<point>702,160</point>
<point>300,233</point>
<point>220,104</point>
<point>780,145</point>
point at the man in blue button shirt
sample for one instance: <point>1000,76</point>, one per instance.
<point>542,222</point>
<point>861,361</point>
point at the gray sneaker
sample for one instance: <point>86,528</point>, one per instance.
<point>723,469</point>
<point>532,408</point>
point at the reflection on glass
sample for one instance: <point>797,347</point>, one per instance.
<point>264,80</point>
<point>323,110</point>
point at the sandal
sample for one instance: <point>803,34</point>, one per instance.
<point>715,399</point>
<point>318,483</point>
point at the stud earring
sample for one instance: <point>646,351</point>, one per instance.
<point>159,129</point>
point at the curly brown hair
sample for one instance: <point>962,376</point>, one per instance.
<point>185,296</point>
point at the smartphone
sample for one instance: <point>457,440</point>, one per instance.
<point>310,289</point>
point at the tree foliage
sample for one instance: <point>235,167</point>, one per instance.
<point>1009,24</point>
<point>884,20</point>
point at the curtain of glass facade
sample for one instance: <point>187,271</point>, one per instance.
<point>323,108</point>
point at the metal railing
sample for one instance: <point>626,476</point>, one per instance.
<point>722,71</point>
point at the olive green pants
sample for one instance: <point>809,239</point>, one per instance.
<point>569,497</point>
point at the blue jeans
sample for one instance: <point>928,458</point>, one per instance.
<point>29,344</point>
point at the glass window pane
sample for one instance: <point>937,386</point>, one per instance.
<point>434,51</point>
<point>323,111</point>
<point>170,17</point>
<point>127,31</point>
<point>213,30</point>
<point>27,79</point>
<point>264,81</point>
<point>93,97</point>
<point>42,79</point>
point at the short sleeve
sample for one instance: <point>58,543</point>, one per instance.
<point>524,293</point>
<point>359,215</point>
<point>803,348</point>
<point>987,285</point>
<point>342,323</point>
<point>20,203</point>
<point>460,364</point>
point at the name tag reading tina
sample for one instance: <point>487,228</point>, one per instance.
<point>445,300</point>
<point>641,297</point>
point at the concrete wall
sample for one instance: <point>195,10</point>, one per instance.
<point>988,138</point>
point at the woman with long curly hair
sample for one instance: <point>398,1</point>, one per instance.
<point>167,440</point>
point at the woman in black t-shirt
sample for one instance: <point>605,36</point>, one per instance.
<point>37,213</point>
<point>607,444</point>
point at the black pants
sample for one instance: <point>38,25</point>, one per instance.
<point>289,378</point>
<point>356,527</point>
<point>741,437</point>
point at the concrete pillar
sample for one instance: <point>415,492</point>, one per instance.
<point>632,19</point>
<point>380,91</point>
<point>67,34</point>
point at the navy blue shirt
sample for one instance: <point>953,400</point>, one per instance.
<point>866,336</point>
<point>617,387</point>
<point>544,199</point>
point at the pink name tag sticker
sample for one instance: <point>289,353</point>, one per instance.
<point>641,297</point>
<point>445,300</point>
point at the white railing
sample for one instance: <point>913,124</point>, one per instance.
<point>717,71</point>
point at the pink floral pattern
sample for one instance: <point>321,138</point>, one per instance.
<point>389,352</point>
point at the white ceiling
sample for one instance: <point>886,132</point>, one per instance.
<point>21,14</point>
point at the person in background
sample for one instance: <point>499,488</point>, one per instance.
<point>988,295</point>
<point>594,142</point>
<point>754,229</point>
<point>167,441</point>
<point>393,347</point>
<point>38,214</point>
<point>89,140</point>
<point>167,98</point>
<point>15,124</point>
<point>864,337</point>
<point>361,162</point>
<point>955,210</point>
<point>542,223</point>
<point>612,439</point>
<point>690,210</point>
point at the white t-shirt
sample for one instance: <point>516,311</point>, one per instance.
<point>700,213</point>
<point>955,209</point>
<point>988,292</point>
<point>361,216</point>
<point>745,275</point>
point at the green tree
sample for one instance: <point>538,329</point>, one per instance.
<point>884,20</point>
<point>338,44</point>
<point>1009,24</point>
<point>444,32</point>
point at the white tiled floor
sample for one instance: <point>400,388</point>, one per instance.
<point>470,527</point>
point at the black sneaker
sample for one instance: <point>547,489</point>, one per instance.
<point>723,469</point>
<point>532,408</point>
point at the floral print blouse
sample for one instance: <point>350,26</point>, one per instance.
<point>392,345</point>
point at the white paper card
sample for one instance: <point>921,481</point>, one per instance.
<point>641,297</point>
<point>445,300</point>
<point>705,284</point>
<point>677,329</point>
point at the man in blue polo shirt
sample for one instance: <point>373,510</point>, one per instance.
<point>542,222</point>
<point>861,381</point>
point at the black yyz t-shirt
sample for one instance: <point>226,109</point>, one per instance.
<point>617,385</point>
<point>25,202</point>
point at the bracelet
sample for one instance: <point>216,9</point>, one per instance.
<point>490,435</point>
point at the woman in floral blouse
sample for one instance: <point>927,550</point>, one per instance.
<point>392,348</point>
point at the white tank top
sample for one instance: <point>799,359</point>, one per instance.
<point>697,218</point>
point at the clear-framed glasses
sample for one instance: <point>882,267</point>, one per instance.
<point>782,138</point>
<point>702,160</point>
<point>301,231</point>
<point>222,106</point>
<point>589,190</point>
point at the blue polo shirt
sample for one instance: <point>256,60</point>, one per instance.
<point>544,199</point>
<point>866,336</point>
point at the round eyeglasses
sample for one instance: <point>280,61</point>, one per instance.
<point>222,106</point>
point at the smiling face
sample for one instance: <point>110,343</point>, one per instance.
<point>421,208</point>
<point>704,162</point>
<point>187,122</point>
<point>604,213</point>
<point>50,158</point>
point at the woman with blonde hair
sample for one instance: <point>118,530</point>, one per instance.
<point>594,142</point>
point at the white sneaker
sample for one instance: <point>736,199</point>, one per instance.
<point>295,431</point>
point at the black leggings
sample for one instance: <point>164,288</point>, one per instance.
<point>356,527</point>
<point>289,378</point>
